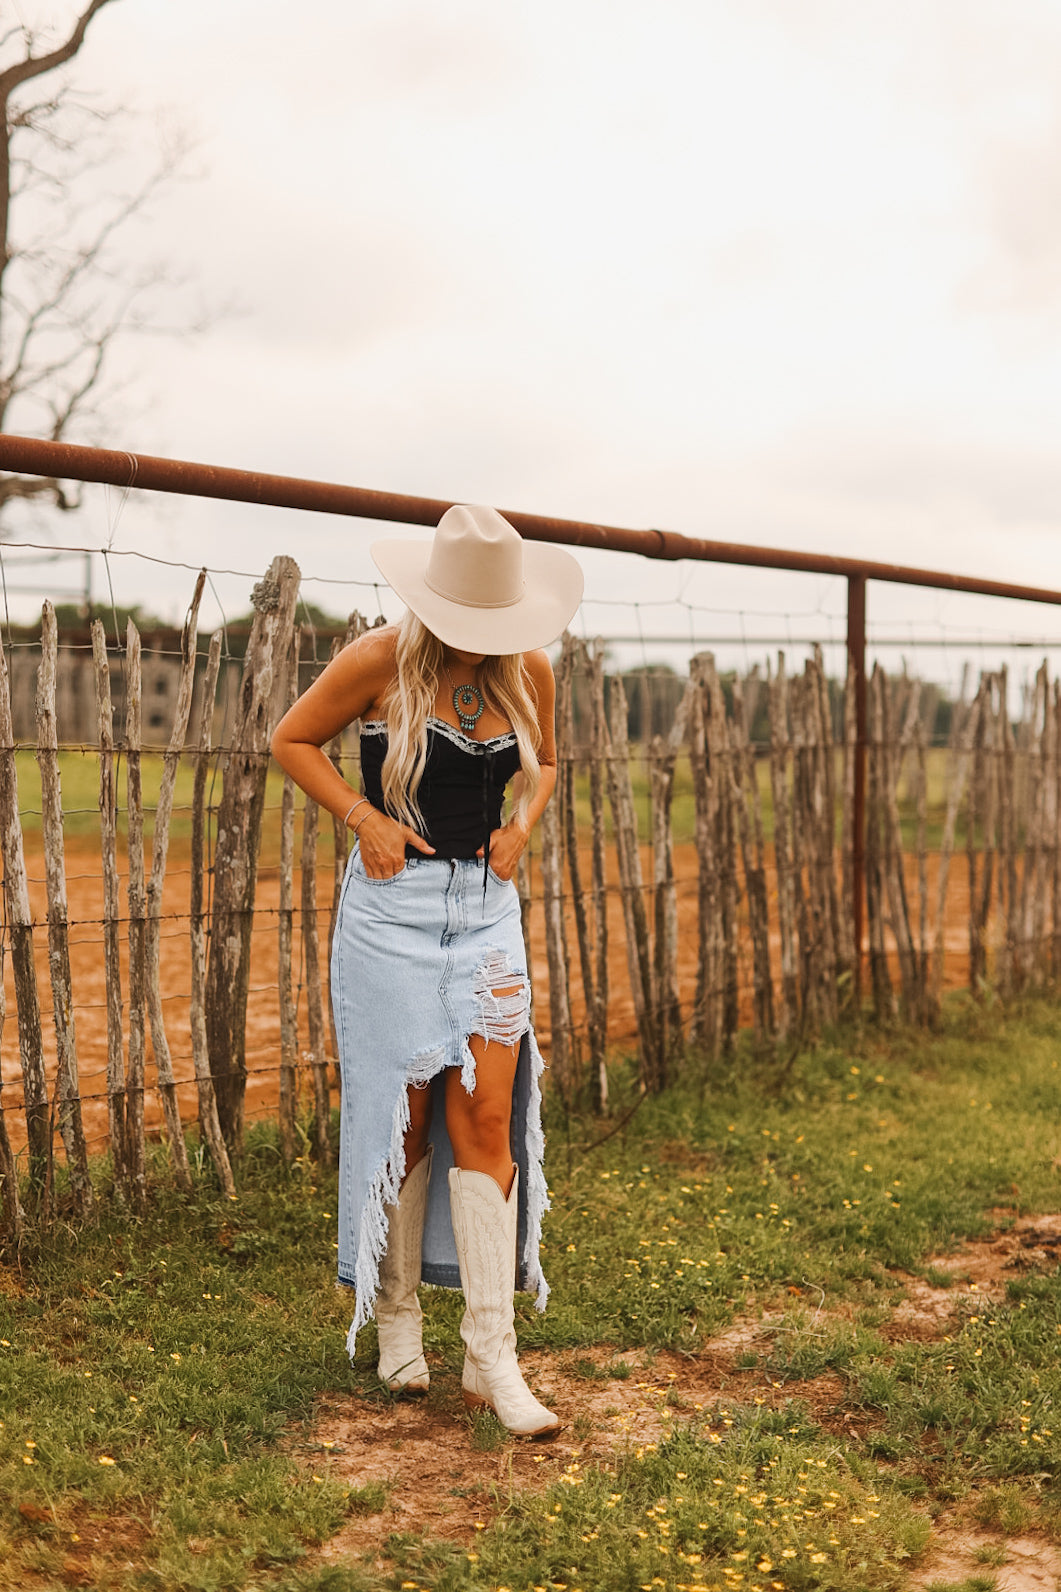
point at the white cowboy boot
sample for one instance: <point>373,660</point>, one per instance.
<point>398,1316</point>
<point>484,1226</point>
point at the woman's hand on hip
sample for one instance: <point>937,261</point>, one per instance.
<point>506,847</point>
<point>383,842</point>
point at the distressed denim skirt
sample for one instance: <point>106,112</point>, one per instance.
<point>417,964</point>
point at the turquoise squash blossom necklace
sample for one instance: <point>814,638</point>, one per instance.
<point>468,703</point>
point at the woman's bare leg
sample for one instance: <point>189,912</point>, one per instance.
<point>418,1132</point>
<point>479,1124</point>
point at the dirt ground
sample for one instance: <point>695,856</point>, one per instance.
<point>85,913</point>
<point>437,1482</point>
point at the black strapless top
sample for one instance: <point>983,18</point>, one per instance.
<point>462,788</point>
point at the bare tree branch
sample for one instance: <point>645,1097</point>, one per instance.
<point>66,295</point>
<point>37,65</point>
<point>36,486</point>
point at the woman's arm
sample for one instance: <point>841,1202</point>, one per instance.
<point>508,843</point>
<point>347,689</point>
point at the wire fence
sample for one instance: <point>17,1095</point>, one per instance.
<point>169,898</point>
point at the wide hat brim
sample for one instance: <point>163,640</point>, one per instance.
<point>552,590</point>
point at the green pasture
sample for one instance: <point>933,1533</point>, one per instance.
<point>79,774</point>
<point>159,1372</point>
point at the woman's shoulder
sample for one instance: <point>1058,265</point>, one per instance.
<point>373,654</point>
<point>361,672</point>
<point>537,665</point>
<point>539,673</point>
<point>380,643</point>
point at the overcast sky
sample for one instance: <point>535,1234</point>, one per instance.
<point>774,271</point>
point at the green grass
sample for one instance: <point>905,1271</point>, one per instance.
<point>79,777</point>
<point>158,1374</point>
<point>79,774</point>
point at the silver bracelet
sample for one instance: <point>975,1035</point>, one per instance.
<point>361,820</point>
<point>353,808</point>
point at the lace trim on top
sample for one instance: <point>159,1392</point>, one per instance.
<point>467,743</point>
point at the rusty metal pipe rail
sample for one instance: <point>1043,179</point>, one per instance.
<point>65,461</point>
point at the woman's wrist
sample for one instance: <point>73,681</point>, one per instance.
<point>369,812</point>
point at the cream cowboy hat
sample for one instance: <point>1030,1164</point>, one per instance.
<point>479,586</point>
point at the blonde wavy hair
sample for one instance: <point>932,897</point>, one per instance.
<point>408,703</point>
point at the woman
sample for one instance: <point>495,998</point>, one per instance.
<point>440,1070</point>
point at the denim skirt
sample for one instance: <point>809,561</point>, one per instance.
<point>418,961</point>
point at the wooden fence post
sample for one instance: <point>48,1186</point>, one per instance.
<point>239,824</point>
<point>567,761</point>
<point>638,949</point>
<point>981,811</point>
<point>20,922</point>
<point>209,1125</point>
<point>312,975</point>
<point>706,1027</point>
<point>720,767</point>
<point>876,914</point>
<point>750,829</point>
<point>167,1086</point>
<point>1053,777</point>
<point>663,757</point>
<point>849,951</point>
<point>894,879</point>
<point>356,625</point>
<point>921,799</point>
<point>963,732</point>
<point>71,1126</point>
<point>821,824</point>
<point>839,960</point>
<point>598,1014</point>
<point>288,1105</point>
<point>552,866</point>
<point>1038,804</point>
<point>108,832</point>
<point>783,860</point>
<point>14,1215</point>
<point>135,1145</point>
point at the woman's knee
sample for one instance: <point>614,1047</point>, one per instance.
<point>481,1119</point>
<point>484,1130</point>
